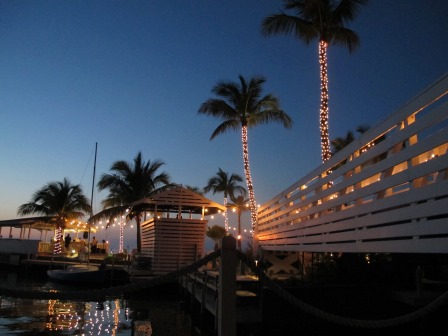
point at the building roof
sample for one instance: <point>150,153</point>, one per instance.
<point>18,223</point>
<point>178,199</point>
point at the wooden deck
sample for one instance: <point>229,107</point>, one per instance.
<point>201,292</point>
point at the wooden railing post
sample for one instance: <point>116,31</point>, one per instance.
<point>227,288</point>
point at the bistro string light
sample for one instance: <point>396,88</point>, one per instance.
<point>226,217</point>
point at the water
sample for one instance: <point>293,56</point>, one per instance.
<point>155,313</point>
<point>159,312</point>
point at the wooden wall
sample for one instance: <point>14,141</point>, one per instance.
<point>173,243</point>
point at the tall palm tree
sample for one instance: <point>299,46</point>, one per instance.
<point>242,106</point>
<point>322,20</point>
<point>62,201</point>
<point>130,182</point>
<point>221,182</point>
<point>240,203</point>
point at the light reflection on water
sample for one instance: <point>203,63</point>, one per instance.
<point>42,317</point>
<point>116,316</point>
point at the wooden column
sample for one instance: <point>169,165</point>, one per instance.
<point>227,288</point>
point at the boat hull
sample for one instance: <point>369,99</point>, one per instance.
<point>79,274</point>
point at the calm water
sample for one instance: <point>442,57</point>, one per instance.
<point>159,313</point>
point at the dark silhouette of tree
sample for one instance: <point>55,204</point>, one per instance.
<point>215,233</point>
<point>61,201</point>
<point>128,183</point>
<point>226,184</point>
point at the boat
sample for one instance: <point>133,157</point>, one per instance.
<point>79,273</point>
<point>82,273</point>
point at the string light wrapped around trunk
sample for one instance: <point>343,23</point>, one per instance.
<point>253,207</point>
<point>324,111</point>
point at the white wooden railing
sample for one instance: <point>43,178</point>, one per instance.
<point>385,192</point>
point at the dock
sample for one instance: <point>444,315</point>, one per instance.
<point>200,292</point>
<point>222,300</point>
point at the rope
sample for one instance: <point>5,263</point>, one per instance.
<point>341,320</point>
<point>103,293</point>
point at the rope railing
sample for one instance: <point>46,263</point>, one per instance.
<point>101,294</point>
<point>104,293</point>
<point>341,320</point>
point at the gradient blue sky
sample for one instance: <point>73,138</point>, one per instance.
<point>132,74</point>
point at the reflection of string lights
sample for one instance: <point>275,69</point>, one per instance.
<point>86,318</point>
<point>62,316</point>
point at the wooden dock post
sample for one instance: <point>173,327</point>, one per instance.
<point>227,288</point>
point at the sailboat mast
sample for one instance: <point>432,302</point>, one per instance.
<point>91,204</point>
<point>93,180</point>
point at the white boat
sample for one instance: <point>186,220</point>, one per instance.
<point>80,273</point>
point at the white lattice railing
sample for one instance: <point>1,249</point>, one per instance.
<point>385,192</point>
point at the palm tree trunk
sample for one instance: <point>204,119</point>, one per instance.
<point>250,188</point>
<point>323,117</point>
<point>57,242</point>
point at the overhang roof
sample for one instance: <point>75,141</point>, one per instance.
<point>17,223</point>
<point>177,199</point>
<point>43,223</point>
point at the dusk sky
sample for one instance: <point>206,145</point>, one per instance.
<point>132,74</point>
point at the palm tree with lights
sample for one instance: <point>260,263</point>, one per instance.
<point>240,204</point>
<point>128,183</point>
<point>325,21</point>
<point>241,105</point>
<point>60,202</point>
<point>228,185</point>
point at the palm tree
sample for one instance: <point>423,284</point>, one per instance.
<point>62,201</point>
<point>215,233</point>
<point>322,20</point>
<point>195,189</point>
<point>339,143</point>
<point>243,106</point>
<point>130,182</point>
<point>221,182</point>
<point>240,203</point>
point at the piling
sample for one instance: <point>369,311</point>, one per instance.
<point>227,288</point>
